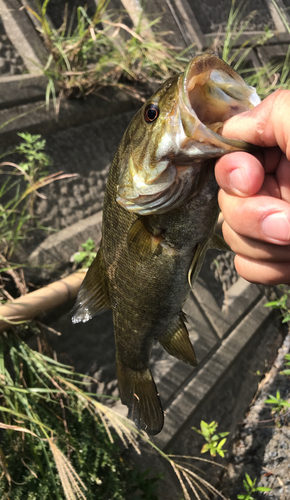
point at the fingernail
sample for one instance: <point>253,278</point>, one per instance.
<point>239,180</point>
<point>276,226</point>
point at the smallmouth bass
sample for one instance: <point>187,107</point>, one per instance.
<point>160,211</point>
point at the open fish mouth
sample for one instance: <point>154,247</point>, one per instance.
<point>207,94</point>
<point>211,93</point>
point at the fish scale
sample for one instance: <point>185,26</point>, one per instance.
<point>156,231</point>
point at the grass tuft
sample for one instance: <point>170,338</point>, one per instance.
<point>103,51</point>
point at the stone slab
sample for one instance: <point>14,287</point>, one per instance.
<point>213,17</point>
<point>59,247</point>
<point>232,306</point>
<point>187,22</point>
<point>23,35</point>
<point>200,386</point>
<point>36,119</point>
<point>280,25</point>
<point>277,39</point>
<point>273,54</point>
<point>21,89</point>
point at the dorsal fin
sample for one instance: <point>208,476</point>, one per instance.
<point>177,343</point>
<point>93,297</point>
<point>138,391</point>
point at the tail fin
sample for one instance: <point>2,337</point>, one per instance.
<point>138,391</point>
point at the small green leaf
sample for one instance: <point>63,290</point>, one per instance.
<point>205,448</point>
<point>285,372</point>
<point>246,486</point>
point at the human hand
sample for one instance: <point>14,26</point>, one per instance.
<point>255,191</point>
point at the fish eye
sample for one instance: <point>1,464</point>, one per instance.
<point>151,112</point>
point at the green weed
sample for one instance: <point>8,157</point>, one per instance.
<point>215,441</point>
<point>35,159</point>
<point>250,487</point>
<point>282,304</point>
<point>18,190</point>
<point>287,363</point>
<point>236,54</point>
<point>279,404</point>
<point>86,256</point>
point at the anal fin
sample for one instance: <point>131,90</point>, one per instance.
<point>177,343</point>
<point>138,391</point>
<point>93,297</point>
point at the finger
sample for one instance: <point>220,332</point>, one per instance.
<point>240,173</point>
<point>257,217</point>
<point>267,273</point>
<point>255,249</point>
<point>265,125</point>
<point>270,187</point>
<point>283,178</point>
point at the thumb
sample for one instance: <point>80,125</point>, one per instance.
<point>266,125</point>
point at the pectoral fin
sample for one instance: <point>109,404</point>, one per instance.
<point>177,342</point>
<point>198,258</point>
<point>140,241</point>
<point>138,391</point>
<point>219,243</point>
<point>93,297</point>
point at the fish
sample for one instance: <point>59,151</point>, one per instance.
<point>159,216</point>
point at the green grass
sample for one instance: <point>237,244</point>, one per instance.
<point>19,187</point>
<point>56,435</point>
<point>61,438</point>
<point>103,51</point>
<point>266,79</point>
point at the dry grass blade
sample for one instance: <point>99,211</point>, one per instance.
<point>69,478</point>
<point>3,465</point>
<point>124,427</point>
<point>190,483</point>
<point>18,167</point>
<point>30,470</point>
<point>197,479</point>
<point>18,277</point>
<point>47,180</point>
<point>185,492</point>
<point>17,428</point>
<point>126,28</point>
<point>200,459</point>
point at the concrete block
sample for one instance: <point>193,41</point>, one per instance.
<point>21,89</point>
<point>34,117</point>
<point>203,382</point>
<point>223,310</point>
<point>59,247</point>
<point>23,35</point>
